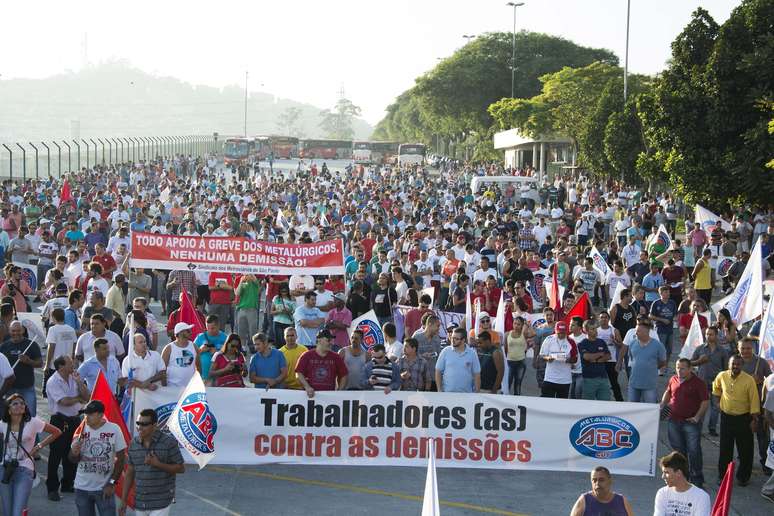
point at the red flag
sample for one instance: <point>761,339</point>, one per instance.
<point>65,195</point>
<point>555,301</point>
<point>582,308</point>
<point>723,501</point>
<point>103,393</point>
<point>189,315</point>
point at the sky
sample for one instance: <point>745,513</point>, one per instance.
<point>310,51</point>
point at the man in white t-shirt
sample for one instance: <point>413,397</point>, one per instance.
<point>146,366</point>
<point>679,496</point>
<point>559,354</point>
<point>100,452</point>
<point>299,285</point>
<point>60,339</point>
<point>84,348</point>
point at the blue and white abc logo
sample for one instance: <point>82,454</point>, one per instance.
<point>604,437</point>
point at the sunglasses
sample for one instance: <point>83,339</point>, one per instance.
<point>143,423</point>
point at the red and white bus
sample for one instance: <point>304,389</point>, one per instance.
<point>238,151</point>
<point>361,152</point>
<point>325,149</point>
<point>285,147</point>
<point>262,147</point>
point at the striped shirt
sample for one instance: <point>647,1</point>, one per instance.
<point>155,488</point>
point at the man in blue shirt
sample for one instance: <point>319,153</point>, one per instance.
<point>651,282</point>
<point>308,319</point>
<point>646,357</point>
<point>594,354</point>
<point>458,368</point>
<point>268,367</point>
<point>663,311</point>
<point>101,361</point>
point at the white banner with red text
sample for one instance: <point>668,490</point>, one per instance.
<point>367,428</point>
<point>235,255</point>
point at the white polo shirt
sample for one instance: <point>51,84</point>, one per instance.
<point>558,371</point>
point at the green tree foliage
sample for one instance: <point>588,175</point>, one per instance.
<point>707,121</point>
<point>288,122</point>
<point>451,100</point>
<point>337,123</point>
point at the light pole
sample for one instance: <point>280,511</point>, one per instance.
<point>626,53</point>
<point>468,37</point>
<point>513,46</point>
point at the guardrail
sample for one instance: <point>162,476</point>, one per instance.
<point>23,160</point>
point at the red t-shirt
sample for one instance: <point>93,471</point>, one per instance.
<point>368,247</point>
<point>220,297</point>
<point>686,397</point>
<point>106,262</point>
<point>321,372</point>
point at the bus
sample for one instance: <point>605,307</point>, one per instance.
<point>238,151</point>
<point>284,147</point>
<point>325,149</point>
<point>384,153</point>
<point>411,154</point>
<point>262,148</point>
<point>361,152</point>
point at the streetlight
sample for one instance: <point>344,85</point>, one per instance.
<point>469,37</point>
<point>513,46</point>
<point>245,104</point>
<point>626,54</point>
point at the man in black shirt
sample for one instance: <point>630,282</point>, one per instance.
<point>18,348</point>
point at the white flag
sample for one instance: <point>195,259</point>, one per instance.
<point>430,291</point>
<point>746,302</point>
<point>599,262</point>
<point>766,335</point>
<point>693,340</point>
<point>468,312</point>
<point>617,295</point>
<point>368,323</point>
<point>281,221</point>
<point>430,503</point>
<point>708,219</point>
<point>548,285</point>
<point>499,327</point>
<point>193,424</point>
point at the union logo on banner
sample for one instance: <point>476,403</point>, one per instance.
<point>368,323</point>
<point>738,299</point>
<point>197,422</point>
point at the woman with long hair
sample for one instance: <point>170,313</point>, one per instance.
<point>282,307</point>
<point>727,331</point>
<point>18,430</point>
<point>228,364</point>
<point>516,352</point>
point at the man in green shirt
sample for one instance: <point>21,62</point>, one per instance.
<point>248,294</point>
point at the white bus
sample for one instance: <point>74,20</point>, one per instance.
<point>361,152</point>
<point>411,154</point>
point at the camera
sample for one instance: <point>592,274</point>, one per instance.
<point>8,470</point>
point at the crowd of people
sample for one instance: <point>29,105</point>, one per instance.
<point>417,244</point>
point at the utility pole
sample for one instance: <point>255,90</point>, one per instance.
<point>626,54</point>
<point>245,103</point>
<point>513,47</point>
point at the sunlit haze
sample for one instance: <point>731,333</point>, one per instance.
<point>307,50</point>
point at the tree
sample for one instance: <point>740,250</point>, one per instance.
<point>452,99</point>
<point>337,123</point>
<point>287,122</point>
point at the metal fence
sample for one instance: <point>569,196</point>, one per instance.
<point>24,160</point>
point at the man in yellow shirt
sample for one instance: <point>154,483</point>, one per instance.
<point>739,410</point>
<point>292,352</point>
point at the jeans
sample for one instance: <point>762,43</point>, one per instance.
<point>15,494</point>
<point>735,430</point>
<point>30,398</point>
<point>714,410</point>
<point>89,502</point>
<point>576,388</point>
<point>516,371</point>
<point>642,395</point>
<point>247,325</point>
<point>685,437</point>
<point>666,340</point>
<point>279,333</point>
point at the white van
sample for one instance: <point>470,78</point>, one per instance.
<point>519,182</point>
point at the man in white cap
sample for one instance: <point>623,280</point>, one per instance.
<point>181,357</point>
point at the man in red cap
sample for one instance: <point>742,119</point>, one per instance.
<point>559,354</point>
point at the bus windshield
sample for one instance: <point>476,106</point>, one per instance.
<point>412,150</point>
<point>236,149</point>
<point>362,146</point>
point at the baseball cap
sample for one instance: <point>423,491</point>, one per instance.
<point>181,326</point>
<point>561,326</point>
<point>61,287</point>
<point>93,407</point>
<point>340,296</point>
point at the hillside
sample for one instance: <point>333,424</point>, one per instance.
<point>116,99</point>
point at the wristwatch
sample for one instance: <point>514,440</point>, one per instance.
<point>112,482</point>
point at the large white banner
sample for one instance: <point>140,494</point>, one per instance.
<point>368,428</point>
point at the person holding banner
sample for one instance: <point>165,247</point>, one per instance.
<point>759,369</point>
<point>153,461</point>
<point>415,372</point>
